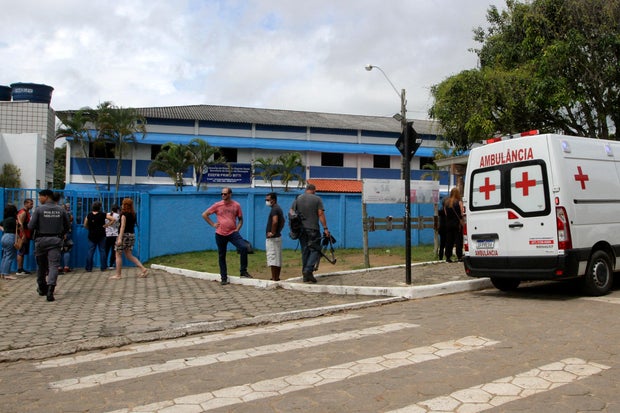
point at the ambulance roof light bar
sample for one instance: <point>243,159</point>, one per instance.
<point>506,137</point>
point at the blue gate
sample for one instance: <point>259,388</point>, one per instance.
<point>80,203</point>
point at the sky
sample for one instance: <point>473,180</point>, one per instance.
<point>275,54</point>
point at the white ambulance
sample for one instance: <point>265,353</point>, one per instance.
<point>543,207</point>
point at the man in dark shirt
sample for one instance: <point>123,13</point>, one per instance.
<point>273,243</point>
<point>310,207</point>
<point>50,222</point>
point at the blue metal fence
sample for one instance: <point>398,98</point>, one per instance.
<point>170,222</point>
<point>81,202</point>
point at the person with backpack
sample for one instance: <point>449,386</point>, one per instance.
<point>94,222</point>
<point>309,207</point>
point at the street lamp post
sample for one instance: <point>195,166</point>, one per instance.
<point>405,172</point>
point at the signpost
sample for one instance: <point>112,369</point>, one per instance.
<point>390,191</point>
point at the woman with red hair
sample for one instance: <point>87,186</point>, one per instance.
<point>126,240</point>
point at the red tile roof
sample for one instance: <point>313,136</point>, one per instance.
<point>337,185</point>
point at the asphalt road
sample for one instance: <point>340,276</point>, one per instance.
<point>544,348</point>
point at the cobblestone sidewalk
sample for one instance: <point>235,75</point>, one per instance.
<point>93,312</point>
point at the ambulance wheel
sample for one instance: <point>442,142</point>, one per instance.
<point>505,284</point>
<point>598,278</point>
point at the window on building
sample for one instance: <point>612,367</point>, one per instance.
<point>101,150</point>
<point>332,159</point>
<point>155,149</point>
<point>425,160</point>
<point>381,161</point>
<point>230,154</point>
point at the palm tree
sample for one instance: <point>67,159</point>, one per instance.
<point>201,156</point>
<point>290,163</point>
<point>434,171</point>
<point>268,168</point>
<point>79,126</point>
<point>119,126</point>
<point>173,160</point>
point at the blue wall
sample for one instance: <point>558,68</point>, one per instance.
<point>170,222</point>
<point>176,224</point>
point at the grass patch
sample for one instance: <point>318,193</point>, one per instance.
<point>347,259</point>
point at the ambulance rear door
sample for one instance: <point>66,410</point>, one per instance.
<point>510,217</point>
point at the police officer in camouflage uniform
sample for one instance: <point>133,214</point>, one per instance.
<point>50,223</point>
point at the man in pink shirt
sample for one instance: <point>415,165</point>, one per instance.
<point>229,222</point>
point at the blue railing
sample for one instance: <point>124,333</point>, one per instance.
<point>170,222</point>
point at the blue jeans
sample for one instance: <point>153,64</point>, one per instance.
<point>9,253</point>
<point>65,258</point>
<point>92,246</point>
<point>310,241</point>
<point>222,244</point>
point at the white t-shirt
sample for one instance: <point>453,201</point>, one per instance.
<point>112,230</point>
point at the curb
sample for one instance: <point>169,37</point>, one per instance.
<point>406,292</point>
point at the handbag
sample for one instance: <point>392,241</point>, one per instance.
<point>19,242</point>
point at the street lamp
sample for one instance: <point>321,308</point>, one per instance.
<point>405,171</point>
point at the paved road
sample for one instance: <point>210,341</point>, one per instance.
<point>543,348</point>
<point>93,312</point>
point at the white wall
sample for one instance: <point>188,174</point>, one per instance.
<point>26,151</point>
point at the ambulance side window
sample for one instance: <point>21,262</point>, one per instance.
<point>486,190</point>
<point>528,189</point>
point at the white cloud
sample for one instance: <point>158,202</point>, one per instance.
<point>260,53</point>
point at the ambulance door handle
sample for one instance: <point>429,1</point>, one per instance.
<point>516,225</point>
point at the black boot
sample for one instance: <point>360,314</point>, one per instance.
<point>50,292</point>
<point>42,290</point>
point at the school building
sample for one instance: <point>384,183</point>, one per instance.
<point>338,150</point>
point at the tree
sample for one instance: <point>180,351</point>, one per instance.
<point>290,165</point>
<point>79,125</point>
<point>268,169</point>
<point>11,176</point>
<point>119,126</point>
<point>60,167</point>
<point>105,124</point>
<point>552,65</point>
<point>173,160</point>
<point>287,167</point>
<point>201,156</point>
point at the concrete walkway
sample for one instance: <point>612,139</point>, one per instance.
<point>93,312</point>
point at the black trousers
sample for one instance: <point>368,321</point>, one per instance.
<point>454,238</point>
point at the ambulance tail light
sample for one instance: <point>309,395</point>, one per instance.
<point>465,243</point>
<point>564,238</point>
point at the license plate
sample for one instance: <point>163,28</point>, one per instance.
<point>485,244</point>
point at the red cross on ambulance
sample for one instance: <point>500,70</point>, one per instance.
<point>487,188</point>
<point>525,183</point>
<point>581,178</point>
